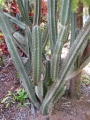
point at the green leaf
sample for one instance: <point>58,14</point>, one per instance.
<point>26,104</point>
<point>7,105</point>
<point>17,75</point>
<point>5,99</point>
<point>10,93</point>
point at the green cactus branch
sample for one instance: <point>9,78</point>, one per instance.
<point>28,37</point>
<point>45,38</point>
<point>52,22</point>
<point>73,27</point>
<point>23,6</point>
<point>64,23</point>
<point>65,12</point>
<point>20,38</point>
<point>36,54</point>
<point>74,73</point>
<point>20,24</point>
<point>37,12</point>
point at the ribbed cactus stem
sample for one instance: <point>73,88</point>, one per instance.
<point>37,12</point>
<point>73,27</point>
<point>36,54</point>
<point>57,51</point>
<point>65,12</point>
<point>28,40</point>
<point>16,21</point>
<point>39,90</point>
<point>45,38</point>
<point>23,6</point>
<point>47,78</point>
<point>64,23</point>
<point>52,26</point>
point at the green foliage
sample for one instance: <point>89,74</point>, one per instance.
<point>17,75</point>
<point>47,49</point>
<point>9,99</point>
<point>20,96</point>
<point>1,1</point>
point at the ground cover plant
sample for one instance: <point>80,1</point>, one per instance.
<point>43,82</point>
<point>20,96</point>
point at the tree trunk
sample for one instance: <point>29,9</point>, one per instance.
<point>79,16</point>
<point>75,86</point>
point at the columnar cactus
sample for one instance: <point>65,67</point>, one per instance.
<point>36,54</point>
<point>46,90</point>
<point>37,12</point>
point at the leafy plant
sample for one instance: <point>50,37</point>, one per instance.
<point>20,96</point>
<point>41,78</point>
<point>9,99</point>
